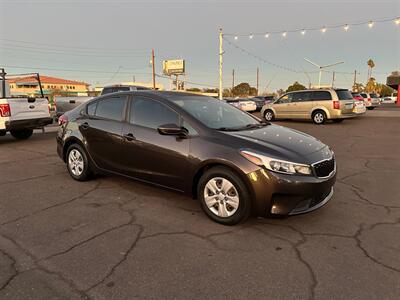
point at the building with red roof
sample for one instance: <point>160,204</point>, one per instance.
<point>29,86</point>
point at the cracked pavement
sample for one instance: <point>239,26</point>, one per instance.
<point>114,238</point>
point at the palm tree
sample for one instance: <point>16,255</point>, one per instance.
<point>370,64</point>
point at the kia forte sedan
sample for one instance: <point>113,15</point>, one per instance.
<point>233,163</point>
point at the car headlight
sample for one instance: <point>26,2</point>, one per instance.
<point>276,165</point>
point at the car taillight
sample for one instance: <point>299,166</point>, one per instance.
<point>5,110</point>
<point>336,104</point>
<point>369,99</point>
<point>62,120</point>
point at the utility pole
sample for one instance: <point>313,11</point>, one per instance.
<point>154,69</point>
<point>233,78</point>
<point>3,82</point>
<point>220,63</point>
<point>134,78</point>
<point>333,79</point>
<point>257,81</point>
<point>354,80</point>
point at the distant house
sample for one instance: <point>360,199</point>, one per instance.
<point>29,86</point>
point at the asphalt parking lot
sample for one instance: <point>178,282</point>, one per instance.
<point>113,238</point>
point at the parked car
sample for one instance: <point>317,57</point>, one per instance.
<point>357,96</point>
<point>20,116</point>
<point>122,88</point>
<point>243,104</point>
<point>233,163</point>
<point>318,105</point>
<point>371,100</point>
<point>388,100</point>
<point>262,100</point>
<point>247,104</point>
<point>64,104</point>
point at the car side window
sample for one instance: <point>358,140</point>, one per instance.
<point>150,113</point>
<point>285,99</point>
<point>321,95</point>
<point>91,108</point>
<point>301,97</point>
<point>112,108</point>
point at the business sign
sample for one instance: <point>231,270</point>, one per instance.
<point>174,67</point>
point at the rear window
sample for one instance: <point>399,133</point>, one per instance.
<point>321,95</point>
<point>373,95</point>
<point>364,95</point>
<point>344,95</point>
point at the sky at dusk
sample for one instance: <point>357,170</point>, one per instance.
<point>103,42</point>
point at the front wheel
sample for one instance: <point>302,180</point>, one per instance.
<point>78,163</point>
<point>224,197</point>
<point>319,117</point>
<point>22,134</point>
<point>370,108</point>
<point>269,115</point>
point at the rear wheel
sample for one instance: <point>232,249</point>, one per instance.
<point>370,108</point>
<point>22,134</point>
<point>224,197</point>
<point>269,115</point>
<point>319,117</point>
<point>78,163</point>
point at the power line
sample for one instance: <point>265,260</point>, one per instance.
<point>53,46</point>
<point>73,70</point>
<point>59,52</point>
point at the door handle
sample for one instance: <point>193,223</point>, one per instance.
<point>85,125</point>
<point>129,137</point>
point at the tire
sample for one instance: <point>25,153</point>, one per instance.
<point>230,205</point>
<point>370,108</point>
<point>22,134</point>
<point>319,117</point>
<point>338,120</point>
<point>269,115</point>
<point>77,163</point>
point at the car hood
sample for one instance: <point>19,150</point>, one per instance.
<point>284,143</point>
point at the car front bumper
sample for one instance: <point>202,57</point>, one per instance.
<point>282,194</point>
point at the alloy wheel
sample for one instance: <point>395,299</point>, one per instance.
<point>269,116</point>
<point>318,118</point>
<point>75,162</point>
<point>221,197</point>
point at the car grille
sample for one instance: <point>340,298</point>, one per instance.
<point>324,168</point>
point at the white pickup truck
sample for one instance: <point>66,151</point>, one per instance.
<point>20,116</point>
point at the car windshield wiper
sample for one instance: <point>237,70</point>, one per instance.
<point>256,125</point>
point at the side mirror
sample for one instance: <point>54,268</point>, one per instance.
<point>172,129</point>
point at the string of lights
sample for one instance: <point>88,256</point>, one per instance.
<point>263,60</point>
<point>323,29</point>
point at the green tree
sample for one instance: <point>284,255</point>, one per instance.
<point>384,90</point>
<point>242,89</point>
<point>371,85</point>
<point>358,87</point>
<point>226,93</point>
<point>295,87</point>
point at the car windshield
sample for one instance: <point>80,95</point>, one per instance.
<point>217,114</point>
<point>373,95</point>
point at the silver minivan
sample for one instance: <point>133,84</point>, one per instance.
<point>318,105</point>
